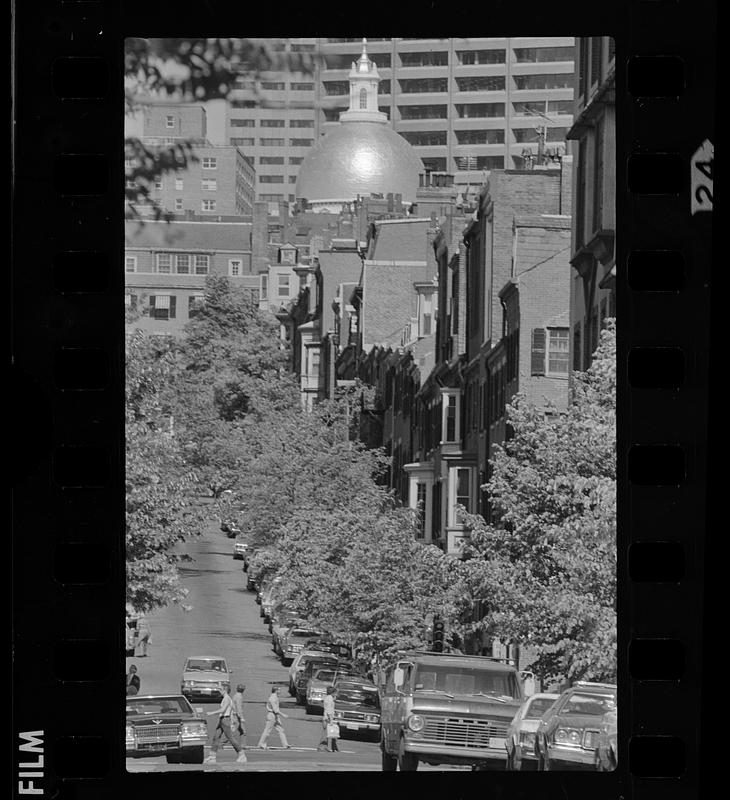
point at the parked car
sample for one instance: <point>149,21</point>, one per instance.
<point>607,746</point>
<point>252,585</point>
<point>340,649</point>
<point>300,662</point>
<point>166,725</point>
<point>268,598</point>
<point>305,677</point>
<point>320,680</point>
<point>293,643</point>
<point>568,733</point>
<point>447,709</point>
<point>280,624</point>
<point>239,549</point>
<point>357,707</point>
<point>310,666</point>
<point>204,677</point>
<point>521,732</point>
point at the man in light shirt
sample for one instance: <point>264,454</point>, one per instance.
<point>273,720</point>
<point>224,729</point>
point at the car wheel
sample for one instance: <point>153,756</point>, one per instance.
<point>389,762</point>
<point>173,758</point>
<point>299,699</point>
<point>308,709</point>
<point>194,755</point>
<point>407,762</point>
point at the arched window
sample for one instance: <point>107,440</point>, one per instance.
<point>363,98</point>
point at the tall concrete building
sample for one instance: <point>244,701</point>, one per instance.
<point>467,106</point>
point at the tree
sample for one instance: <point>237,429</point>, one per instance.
<point>159,482</point>
<point>547,566</point>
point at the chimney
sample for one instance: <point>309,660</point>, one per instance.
<point>389,196</point>
<point>566,184</point>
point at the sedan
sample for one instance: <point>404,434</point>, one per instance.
<point>568,733</point>
<point>520,740</point>
<point>357,707</point>
<point>607,747</point>
<point>293,643</point>
<point>166,725</point>
<point>204,677</point>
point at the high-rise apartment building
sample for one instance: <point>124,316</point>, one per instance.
<point>466,105</point>
<point>220,184</point>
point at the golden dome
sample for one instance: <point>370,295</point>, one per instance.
<point>359,158</point>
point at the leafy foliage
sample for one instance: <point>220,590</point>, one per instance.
<point>547,570</point>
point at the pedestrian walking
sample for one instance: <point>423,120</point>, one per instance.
<point>273,721</point>
<point>133,682</point>
<point>223,730</point>
<point>330,728</point>
<point>144,635</point>
<point>238,722</point>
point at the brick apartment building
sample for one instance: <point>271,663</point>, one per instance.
<point>221,183</point>
<point>593,293</point>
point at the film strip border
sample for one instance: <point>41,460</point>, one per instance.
<point>68,362</point>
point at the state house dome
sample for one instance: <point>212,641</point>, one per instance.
<point>363,154</point>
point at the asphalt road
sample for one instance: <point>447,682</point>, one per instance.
<point>225,621</point>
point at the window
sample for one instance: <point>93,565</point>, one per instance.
<point>158,184</point>
<point>273,123</point>
<point>576,347</point>
<point>178,184</point>
<point>426,325</point>
<point>271,198</point>
<point>596,53</point>
<point>430,58</point>
<point>178,204</point>
<point>208,205</point>
<point>336,87</point>
<point>162,306</point>
<point>479,110</point>
<point>553,107</point>
<point>479,162</point>
<point>495,136</point>
<point>473,57</point>
<point>271,159</point>
<point>462,495</point>
<point>526,134</point>
<point>169,122</point>
<point>294,160</point>
<point>242,123</point>
<point>421,510</point>
<point>494,83</point>
<point>292,179</point>
<point>598,175</point>
<point>130,301</point>
<point>182,263</point>
<point>130,263</point>
<point>195,304</point>
<point>580,200</point>
<point>534,55</point>
<point>209,185</point>
<point>201,264</point>
<point>363,98</point>
<point>235,267</point>
<point>434,164</point>
<point>271,178</point>
<point>210,163</point>
<point>282,282</point>
<point>563,80</point>
<point>246,141</point>
<point>301,123</point>
<point>425,138</point>
<point>298,86</point>
<point>275,86</point>
<point>537,357</point>
<point>300,142</point>
<point>451,413</point>
<point>558,351</point>
<point>264,287</point>
<point>271,142</point>
<point>164,263</point>
<point>421,85</point>
<point>423,112</point>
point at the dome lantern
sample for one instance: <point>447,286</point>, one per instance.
<point>364,80</point>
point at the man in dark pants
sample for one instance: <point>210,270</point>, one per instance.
<point>132,680</point>
<point>223,729</point>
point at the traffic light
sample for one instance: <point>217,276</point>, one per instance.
<point>438,634</point>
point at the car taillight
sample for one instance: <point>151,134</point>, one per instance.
<point>561,735</point>
<point>589,739</point>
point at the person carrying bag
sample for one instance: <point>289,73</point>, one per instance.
<point>331,728</point>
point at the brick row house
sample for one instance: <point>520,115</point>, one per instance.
<point>593,258</point>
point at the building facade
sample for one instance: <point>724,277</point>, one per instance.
<point>221,183</point>
<point>593,292</point>
<point>467,106</point>
<point>166,266</point>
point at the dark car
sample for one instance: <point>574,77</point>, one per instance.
<point>339,649</point>
<point>568,733</point>
<point>357,707</point>
<point>166,725</point>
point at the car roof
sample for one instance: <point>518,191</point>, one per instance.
<point>207,658</point>
<point>592,688</point>
<point>472,662</point>
<point>543,696</point>
<point>135,697</point>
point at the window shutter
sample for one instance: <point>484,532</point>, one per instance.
<point>537,362</point>
<point>576,347</point>
<point>173,302</point>
<point>152,305</point>
<point>595,59</point>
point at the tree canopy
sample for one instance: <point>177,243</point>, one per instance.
<point>546,565</point>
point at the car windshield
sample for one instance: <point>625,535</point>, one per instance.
<point>301,633</point>
<point>595,705</point>
<point>158,705</point>
<point>325,675</point>
<point>205,665</point>
<point>538,707</point>
<point>352,693</point>
<point>465,680</point>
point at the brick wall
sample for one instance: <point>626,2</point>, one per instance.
<point>389,302</point>
<point>189,122</point>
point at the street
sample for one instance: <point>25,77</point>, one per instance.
<point>224,621</point>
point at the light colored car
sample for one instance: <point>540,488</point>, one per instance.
<point>239,549</point>
<point>569,731</point>
<point>204,677</point>
<point>158,725</point>
<point>293,643</point>
<point>520,742</point>
<point>299,663</point>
